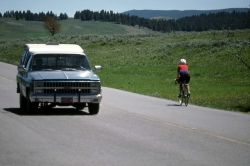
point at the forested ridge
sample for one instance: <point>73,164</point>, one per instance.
<point>203,22</point>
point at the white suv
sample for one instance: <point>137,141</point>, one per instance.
<point>57,74</point>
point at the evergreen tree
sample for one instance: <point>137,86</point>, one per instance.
<point>77,15</point>
<point>63,16</point>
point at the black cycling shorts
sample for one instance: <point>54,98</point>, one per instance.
<point>184,78</point>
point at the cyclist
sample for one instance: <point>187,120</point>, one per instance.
<point>183,74</point>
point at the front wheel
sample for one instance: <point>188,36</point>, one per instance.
<point>26,106</point>
<point>93,108</point>
<point>22,103</point>
<point>31,107</point>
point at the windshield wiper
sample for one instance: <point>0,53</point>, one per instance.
<point>47,69</point>
<point>69,69</point>
<point>82,68</point>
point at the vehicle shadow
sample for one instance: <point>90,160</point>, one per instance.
<point>48,112</point>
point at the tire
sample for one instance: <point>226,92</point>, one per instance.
<point>186,100</point>
<point>31,107</point>
<point>93,108</point>
<point>186,97</point>
<point>182,98</point>
<point>22,103</point>
<point>26,106</point>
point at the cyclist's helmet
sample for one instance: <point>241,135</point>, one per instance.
<point>183,61</point>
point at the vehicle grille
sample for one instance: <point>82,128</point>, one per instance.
<point>66,87</point>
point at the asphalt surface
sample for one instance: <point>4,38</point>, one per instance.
<point>130,129</point>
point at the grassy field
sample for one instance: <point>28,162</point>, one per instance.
<point>21,29</point>
<point>143,61</point>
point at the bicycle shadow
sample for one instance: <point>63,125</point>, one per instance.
<point>174,105</point>
<point>48,112</point>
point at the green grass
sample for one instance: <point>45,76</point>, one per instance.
<point>145,62</point>
<point>148,65</point>
<point>21,29</point>
<point>12,29</point>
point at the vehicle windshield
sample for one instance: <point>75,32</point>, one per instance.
<point>60,62</point>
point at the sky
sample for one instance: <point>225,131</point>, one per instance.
<point>71,6</point>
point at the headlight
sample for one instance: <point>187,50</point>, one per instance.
<point>95,91</point>
<point>95,87</point>
<point>95,84</point>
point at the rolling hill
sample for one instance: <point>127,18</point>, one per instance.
<point>13,29</point>
<point>175,14</point>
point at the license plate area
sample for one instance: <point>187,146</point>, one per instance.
<point>67,100</point>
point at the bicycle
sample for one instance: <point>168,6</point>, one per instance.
<point>184,95</point>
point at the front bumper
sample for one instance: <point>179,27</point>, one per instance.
<point>66,99</point>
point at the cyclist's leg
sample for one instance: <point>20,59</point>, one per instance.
<point>180,89</point>
<point>187,95</point>
<point>181,95</point>
<point>181,81</point>
<point>187,80</point>
<point>188,89</point>
<point>185,88</point>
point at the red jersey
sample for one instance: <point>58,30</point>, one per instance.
<point>182,67</point>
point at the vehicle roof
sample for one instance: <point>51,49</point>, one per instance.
<point>54,48</point>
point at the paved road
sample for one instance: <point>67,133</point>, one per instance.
<point>130,129</point>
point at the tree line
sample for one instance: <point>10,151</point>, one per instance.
<point>30,16</point>
<point>215,21</point>
<point>212,21</point>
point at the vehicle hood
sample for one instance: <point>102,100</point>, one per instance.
<point>63,75</point>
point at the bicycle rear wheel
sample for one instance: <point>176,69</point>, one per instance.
<point>180,100</point>
<point>186,100</point>
<point>186,96</point>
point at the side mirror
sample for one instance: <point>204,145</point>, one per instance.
<point>20,68</point>
<point>98,67</point>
